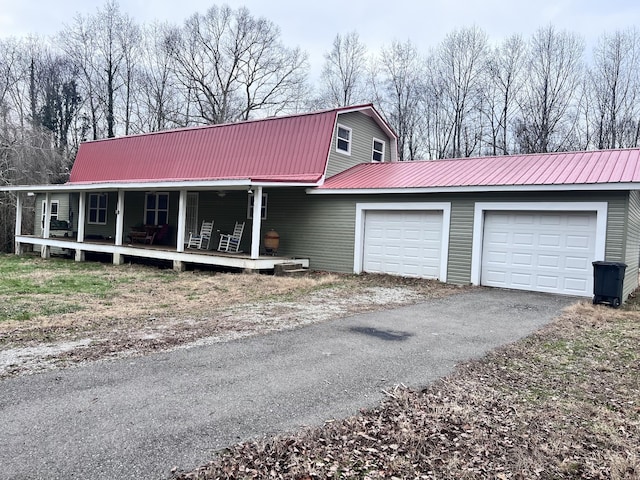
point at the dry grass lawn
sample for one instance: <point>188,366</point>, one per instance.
<point>58,312</point>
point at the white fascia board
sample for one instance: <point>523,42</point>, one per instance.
<point>600,209</point>
<point>113,186</point>
<point>506,188</point>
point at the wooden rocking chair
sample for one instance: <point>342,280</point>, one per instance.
<point>230,242</point>
<point>203,240</point>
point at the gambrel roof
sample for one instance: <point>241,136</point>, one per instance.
<point>292,149</point>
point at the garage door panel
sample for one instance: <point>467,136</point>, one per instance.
<point>523,239</point>
<point>403,243</point>
<point>522,280</point>
<point>577,263</point>
<point>551,220</point>
<point>525,259</point>
<point>546,240</point>
<point>549,252</point>
<point>548,261</point>
<point>546,282</point>
<point>579,221</point>
<point>578,241</point>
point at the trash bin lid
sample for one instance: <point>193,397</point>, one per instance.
<point>609,264</point>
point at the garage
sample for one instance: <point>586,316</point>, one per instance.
<point>539,251</point>
<point>403,242</point>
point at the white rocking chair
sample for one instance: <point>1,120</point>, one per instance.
<point>203,240</point>
<point>231,242</point>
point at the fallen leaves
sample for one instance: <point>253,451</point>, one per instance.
<point>562,403</point>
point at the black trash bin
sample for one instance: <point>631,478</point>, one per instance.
<point>608,278</point>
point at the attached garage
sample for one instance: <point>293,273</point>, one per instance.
<point>403,239</point>
<point>531,222</point>
<point>548,250</point>
<point>544,252</point>
<point>407,243</point>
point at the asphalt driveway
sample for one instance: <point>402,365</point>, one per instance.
<point>137,418</point>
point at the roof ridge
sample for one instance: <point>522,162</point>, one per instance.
<point>231,124</point>
<point>512,155</point>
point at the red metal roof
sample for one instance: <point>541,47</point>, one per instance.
<point>280,149</point>
<point>566,168</point>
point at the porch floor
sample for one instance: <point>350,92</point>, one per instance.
<point>162,252</point>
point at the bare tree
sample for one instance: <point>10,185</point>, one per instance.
<point>504,80</point>
<point>548,101</point>
<point>398,82</point>
<point>102,48</point>
<point>461,59</point>
<point>158,101</point>
<point>344,73</point>
<point>235,65</point>
<point>613,85</point>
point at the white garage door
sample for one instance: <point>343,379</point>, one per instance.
<point>543,252</point>
<point>404,243</point>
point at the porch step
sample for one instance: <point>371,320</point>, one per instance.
<point>289,269</point>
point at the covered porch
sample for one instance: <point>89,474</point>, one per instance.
<point>115,223</point>
<point>241,261</point>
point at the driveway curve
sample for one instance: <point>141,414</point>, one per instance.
<point>138,418</point>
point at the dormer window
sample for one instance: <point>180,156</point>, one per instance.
<point>343,140</point>
<point>377,153</point>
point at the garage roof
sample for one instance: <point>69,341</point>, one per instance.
<point>546,169</point>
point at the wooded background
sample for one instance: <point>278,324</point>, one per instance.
<point>105,75</point>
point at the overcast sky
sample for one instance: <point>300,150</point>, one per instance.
<point>312,25</point>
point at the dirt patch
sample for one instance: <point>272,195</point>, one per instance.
<point>148,310</point>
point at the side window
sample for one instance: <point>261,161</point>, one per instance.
<point>55,205</point>
<point>263,211</point>
<point>377,151</point>
<point>97,208</point>
<point>343,140</point>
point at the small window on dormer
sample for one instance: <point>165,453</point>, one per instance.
<point>377,154</point>
<point>343,140</point>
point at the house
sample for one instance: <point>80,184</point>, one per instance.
<point>244,172</point>
<point>330,184</point>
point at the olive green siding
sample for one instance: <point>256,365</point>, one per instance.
<point>363,130</point>
<point>632,243</point>
<point>64,201</point>
<point>312,226</point>
<point>322,227</point>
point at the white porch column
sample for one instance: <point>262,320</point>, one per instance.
<point>45,251</point>
<point>82,210</point>
<point>182,219</point>
<point>257,222</point>
<point>117,257</point>
<point>18,231</point>
<point>120,217</point>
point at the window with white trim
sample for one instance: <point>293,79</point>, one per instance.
<point>263,209</point>
<point>55,206</point>
<point>156,208</point>
<point>97,209</point>
<point>377,150</point>
<point>343,140</point>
